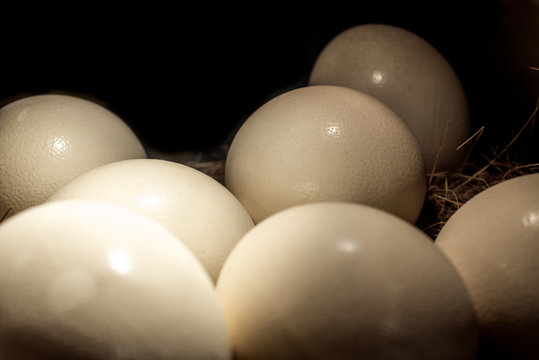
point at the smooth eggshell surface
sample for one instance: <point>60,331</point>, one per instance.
<point>325,143</point>
<point>85,280</point>
<point>493,240</point>
<point>47,140</point>
<point>410,76</point>
<point>201,212</point>
<point>344,281</point>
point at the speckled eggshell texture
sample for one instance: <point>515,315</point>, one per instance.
<point>325,143</point>
<point>409,75</point>
<point>344,281</point>
<point>201,212</point>
<point>47,140</point>
<point>87,280</point>
<point>493,240</point>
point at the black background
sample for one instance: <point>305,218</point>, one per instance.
<point>183,77</point>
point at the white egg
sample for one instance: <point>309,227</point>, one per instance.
<point>493,240</point>
<point>47,140</point>
<point>410,76</point>
<point>344,281</point>
<point>325,143</point>
<point>201,212</point>
<point>87,280</point>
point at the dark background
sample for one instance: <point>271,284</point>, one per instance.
<point>184,77</point>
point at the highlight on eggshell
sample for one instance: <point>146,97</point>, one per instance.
<point>410,76</point>
<point>325,143</point>
<point>344,281</point>
<point>89,280</point>
<point>493,242</point>
<point>201,212</point>
<point>47,140</point>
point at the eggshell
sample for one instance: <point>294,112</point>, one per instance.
<point>86,280</point>
<point>409,75</point>
<point>325,143</point>
<point>201,212</point>
<point>344,281</point>
<point>47,140</point>
<point>493,241</point>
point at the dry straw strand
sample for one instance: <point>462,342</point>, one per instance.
<point>4,217</point>
<point>213,168</point>
<point>448,191</point>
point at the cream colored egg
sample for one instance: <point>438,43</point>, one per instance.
<point>47,140</point>
<point>325,143</point>
<point>192,205</point>
<point>493,240</point>
<point>409,75</point>
<point>87,280</point>
<point>344,281</point>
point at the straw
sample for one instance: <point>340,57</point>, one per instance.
<point>449,190</point>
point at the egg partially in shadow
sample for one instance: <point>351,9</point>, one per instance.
<point>325,143</point>
<point>410,76</point>
<point>47,140</point>
<point>493,241</point>
<point>344,281</point>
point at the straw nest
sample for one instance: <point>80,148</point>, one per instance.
<point>447,190</point>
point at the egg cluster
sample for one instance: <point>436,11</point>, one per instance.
<point>309,250</point>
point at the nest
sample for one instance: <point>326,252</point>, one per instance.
<point>447,190</point>
<point>215,166</point>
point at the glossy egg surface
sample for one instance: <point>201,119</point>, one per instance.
<point>201,212</point>
<point>410,76</point>
<point>344,281</point>
<point>325,143</point>
<point>47,140</point>
<point>87,280</point>
<point>493,240</point>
